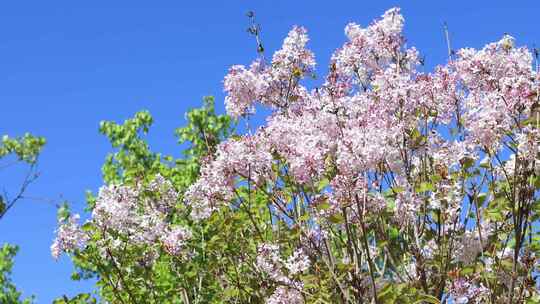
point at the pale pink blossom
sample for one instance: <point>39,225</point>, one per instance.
<point>69,237</point>
<point>174,239</point>
<point>285,295</point>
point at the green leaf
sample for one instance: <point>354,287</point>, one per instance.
<point>393,233</point>
<point>481,198</point>
<point>322,206</point>
<point>2,205</point>
<point>428,299</point>
<point>323,183</point>
<point>336,218</point>
<point>424,187</point>
<point>398,190</point>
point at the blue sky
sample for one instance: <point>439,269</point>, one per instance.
<point>66,65</point>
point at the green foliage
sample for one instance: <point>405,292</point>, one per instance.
<point>8,292</point>
<point>169,279</point>
<point>202,133</point>
<point>133,155</point>
<point>204,129</point>
<point>83,298</point>
<point>26,148</point>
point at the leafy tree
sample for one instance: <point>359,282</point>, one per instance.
<point>24,149</point>
<point>134,164</point>
<point>382,185</point>
<point>8,292</point>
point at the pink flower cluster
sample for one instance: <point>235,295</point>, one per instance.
<point>500,85</point>
<point>136,214</point>
<point>265,84</point>
<point>364,117</point>
<point>140,214</point>
<point>284,295</point>
<point>245,157</point>
<point>175,239</point>
<point>467,292</point>
<point>69,237</point>
<point>269,261</point>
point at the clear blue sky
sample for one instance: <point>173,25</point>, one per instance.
<point>66,65</point>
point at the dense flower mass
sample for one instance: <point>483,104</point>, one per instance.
<point>262,83</point>
<point>466,292</point>
<point>269,262</point>
<point>440,152</point>
<point>384,183</point>
<point>373,97</point>
<point>284,295</point>
<point>245,157</point>
<point>136,214</point>
<point>174,240</point>
<point>69,236</point>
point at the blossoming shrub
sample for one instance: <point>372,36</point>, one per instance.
<point>382,185</point>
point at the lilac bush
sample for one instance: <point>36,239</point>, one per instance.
<point>384,184</point>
